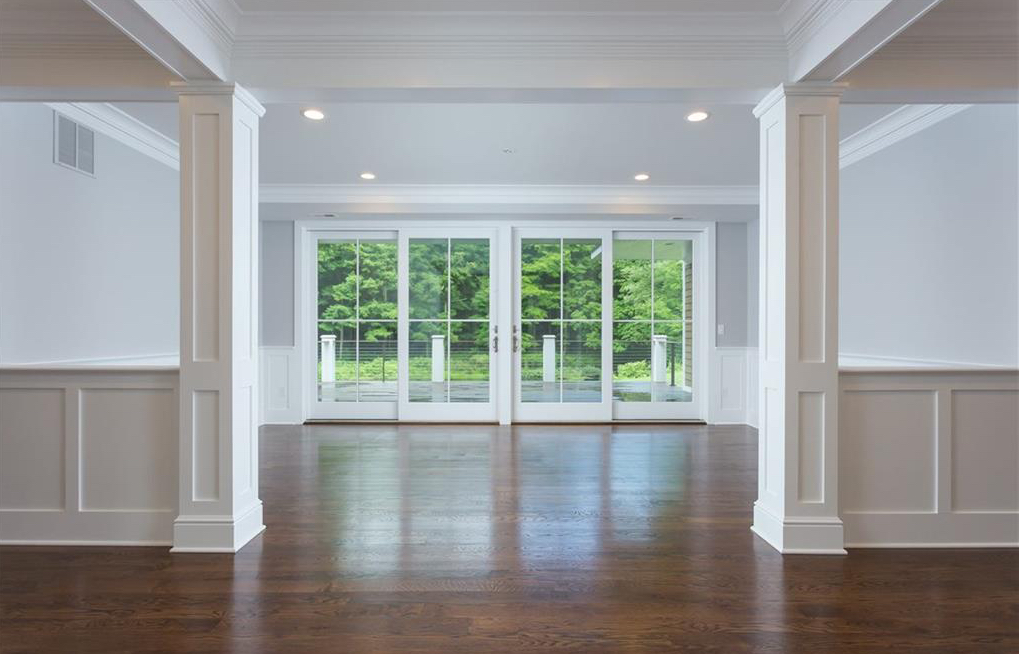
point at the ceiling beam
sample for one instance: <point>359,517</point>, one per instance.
<point>829,38</point>
<point>181,36</point>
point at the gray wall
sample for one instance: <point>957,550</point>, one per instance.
<point>732,280</point>
<point>277,276</point>
<point>928,244</point>
<point>89,267</point>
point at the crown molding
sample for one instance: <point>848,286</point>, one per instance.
<point>111,121</point>
<point>896,126</point>
<point>505,194</point>
<point>802,20</point>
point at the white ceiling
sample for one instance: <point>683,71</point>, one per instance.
<point>600,144</point>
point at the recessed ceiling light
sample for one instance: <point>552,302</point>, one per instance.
<point>642,177</point>
<point>697,116</point>
<point>367,175</point>
<point>313,114</point>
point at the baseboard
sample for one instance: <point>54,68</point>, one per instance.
<point>925,530</point>
<point>799,535</point>
<point>57,527</point>
<point>85,543</point>
<point>217,533</point>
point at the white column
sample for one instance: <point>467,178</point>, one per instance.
<point>328,358</point>
<point>797,505</point>
<point>659,343</point>
<point>438,358</point>
<point>548,358</point>
<point>219,506</point>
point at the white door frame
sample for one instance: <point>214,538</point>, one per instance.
<point>564,411</point>
<point>446,411</point>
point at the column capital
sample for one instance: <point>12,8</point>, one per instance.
<point>212,87</point>
<point>808,89</point>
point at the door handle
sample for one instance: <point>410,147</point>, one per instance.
<point>516,340</point>
<point>495,339</point>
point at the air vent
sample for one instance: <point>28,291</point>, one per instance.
<point>73,145</point>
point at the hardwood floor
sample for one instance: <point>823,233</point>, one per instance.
<point>477,539</point>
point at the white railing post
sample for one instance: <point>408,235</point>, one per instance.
<point>438,358</point>
<point>659,345</point>
<point>548,358</point>
<point>328,349</point>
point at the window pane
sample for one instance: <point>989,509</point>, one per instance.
<point>581,354</point>
<point>376,362</point>
<point>671,259</point>
<point>377,280</point>
<point>539,361</point>
<point>427,360</point>
<point>669,376</point>
<point>469,273</point>
<point>631,361</point>
<point>540,263</point>
<point>337,281</point>
<point>582,278</point>
<point>631,280</point>
<point>468,362</point>
<point>337,362</point>
<point>427,259</point>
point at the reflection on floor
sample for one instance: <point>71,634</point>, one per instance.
<point>475,539</point>
<point>530,391</point>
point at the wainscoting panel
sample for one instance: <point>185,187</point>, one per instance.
<point>88,457</point>
<point>728,402</point>
<point>281,385</point>
<point>929,458</point>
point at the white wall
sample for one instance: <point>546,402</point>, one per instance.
<point>929,244</point>
<point>89,267</point>
<point>731,280</point>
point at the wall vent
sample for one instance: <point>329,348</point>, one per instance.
<point>73,145</point>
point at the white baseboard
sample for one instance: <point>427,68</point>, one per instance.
<point>280,385</point>
<point>799,535</point>
<point>220,533</point>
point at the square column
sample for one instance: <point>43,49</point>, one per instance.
<point>219,507</point>
<point>797,501</point>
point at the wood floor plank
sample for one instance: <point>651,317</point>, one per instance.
<point>435,539</point>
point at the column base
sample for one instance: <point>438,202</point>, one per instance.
<point>217,533</point>
<point>822,535</point>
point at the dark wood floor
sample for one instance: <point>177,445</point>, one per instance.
<point>479,539</point>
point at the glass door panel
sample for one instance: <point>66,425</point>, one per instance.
<point>653,340</point>
<point>559,348</point>
<point>355,291</point>
<point>449,327</point>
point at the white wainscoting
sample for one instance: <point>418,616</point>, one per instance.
<point>88,456</point>
<point>929,458</point>
<point>733,397</point>
<point>281,385</point>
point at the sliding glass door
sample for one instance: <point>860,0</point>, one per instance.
<point>355,320</point>
<point>560,341</point>
<point>446,312</point>
<point>654,278</point>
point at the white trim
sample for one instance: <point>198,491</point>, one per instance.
<point>280,391</point>
<point>850,361</point>
<point>114,362</point>
<point>106,119</point>
<point>896,126</point>
<point>798,535</point>
<point>217,533</point>
<point>509,194</point>
<point>729,396</point>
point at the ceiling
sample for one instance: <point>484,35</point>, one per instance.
<point>596,144</point>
